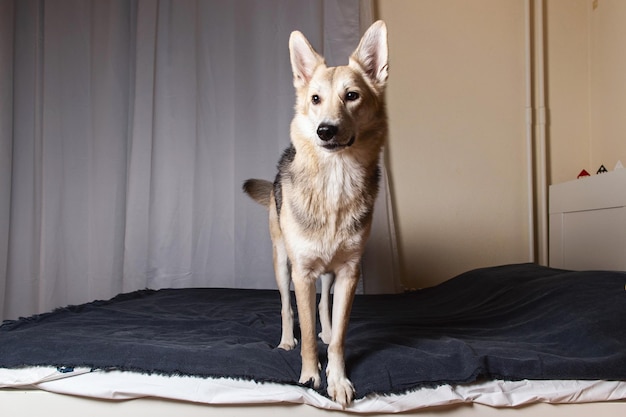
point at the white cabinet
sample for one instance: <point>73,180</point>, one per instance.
<point>588,222</point>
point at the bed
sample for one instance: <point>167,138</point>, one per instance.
<point>522,338</point>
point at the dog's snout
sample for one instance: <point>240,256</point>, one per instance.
<point>326,132</point>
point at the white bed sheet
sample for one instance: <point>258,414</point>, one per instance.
<point>118,385</point>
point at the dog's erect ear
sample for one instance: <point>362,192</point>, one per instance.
<point>371,55</point>
<point>304,59</point>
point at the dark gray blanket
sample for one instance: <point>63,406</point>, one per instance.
<point>511,322</point>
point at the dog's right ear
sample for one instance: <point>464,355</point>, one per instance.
<point>304,59</point>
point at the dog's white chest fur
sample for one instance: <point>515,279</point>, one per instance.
<point>330,228</point>
<point>342,180</point>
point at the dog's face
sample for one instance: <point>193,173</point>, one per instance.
<point>338,107</point>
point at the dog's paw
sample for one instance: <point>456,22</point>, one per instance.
<point>312,377</point>
<point>288,344</point>
<point>341,390</point>
<point>325,336</point>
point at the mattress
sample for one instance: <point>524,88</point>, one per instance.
<point>520,329</point>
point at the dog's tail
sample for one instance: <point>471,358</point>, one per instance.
<point>259,190</point>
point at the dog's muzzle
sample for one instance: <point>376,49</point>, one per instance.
<point>328,134</point>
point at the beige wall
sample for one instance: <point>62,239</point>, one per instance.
<point>567,83</point>
<point>607,67</point>
<point>456,104</point>
<point>586,85</point>
<point>457,151</point>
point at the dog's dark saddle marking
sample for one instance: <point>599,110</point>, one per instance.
<point>283,170</point>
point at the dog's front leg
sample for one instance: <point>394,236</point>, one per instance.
<point>287,341</point>
<point>304,285</point>
<point>340,388</point>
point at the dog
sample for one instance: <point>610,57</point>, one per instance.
<point>322,199</point>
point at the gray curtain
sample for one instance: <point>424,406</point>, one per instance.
<point>126,130</point>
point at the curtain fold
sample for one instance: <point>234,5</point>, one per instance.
<point>6,134</point>
<point>126,131</point>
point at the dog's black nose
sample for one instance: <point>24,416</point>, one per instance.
<point>326,132</point>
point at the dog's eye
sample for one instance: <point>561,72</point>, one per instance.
<point>315,99</point>
<point>352,95</point>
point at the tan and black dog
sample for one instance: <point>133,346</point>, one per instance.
<point>322,200</point>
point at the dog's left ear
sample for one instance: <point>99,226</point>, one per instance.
<point>371,56</point>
